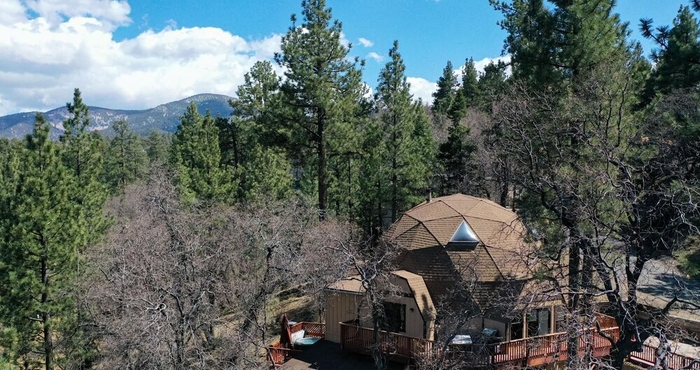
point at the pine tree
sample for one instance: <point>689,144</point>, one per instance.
<point>157,147</point>
<point>445,94</point>
<point>82,152</point>
<point>470,84</point>
<point>678,59</point>
<point>456,159</point>
<point>400,147</point>
<point>126,161</point>
<point>252,141</point>
<point>322,93</point>
<point>44,229</point>
<point>565,127</point>
<point>196,155</point>
<point>493,82</point>
<point>552,45</point>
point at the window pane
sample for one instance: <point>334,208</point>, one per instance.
<point>395,316</point>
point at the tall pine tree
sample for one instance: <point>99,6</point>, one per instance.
<point>401,148</point>
<point>445,94</point>
<point>565,127</point>
<point>678,57</point>
<point>196,155</point>
<point>126,161</point>
<point>322,93</point>
<point>252,140</point>
<point>82,152</point>
<point>44,229</point>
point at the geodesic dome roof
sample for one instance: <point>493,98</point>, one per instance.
<point>483,240</point>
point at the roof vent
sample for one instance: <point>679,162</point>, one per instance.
<point>463,238</point>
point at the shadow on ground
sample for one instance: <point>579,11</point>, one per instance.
<point>325,355</point>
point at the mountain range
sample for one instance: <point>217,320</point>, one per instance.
<point>164,118</point>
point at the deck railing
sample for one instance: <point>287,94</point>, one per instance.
<point>674,360</point>
<point>401,348</point>
<point>533,351</point>
<point>278,353</point>
<point>311,329</point>
<point>546,348</point>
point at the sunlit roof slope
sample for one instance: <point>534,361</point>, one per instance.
<point>482,239</point>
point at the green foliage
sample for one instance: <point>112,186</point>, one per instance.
<point>266,176</point>
<point>158,147</point>
<point>470,82</point>
<point>493,83</point>
<point>251,139</point>
<point>44,229</point>
<point>587,167</point>
<point>399,149</point>
<point>322,95</point>
<point>678,59</point>
<point>125,161</point>
<point>445,94</point>
<point>689,257</point>
<point>257,110</point>
<point>550,45</point>
<point>460,172</point>
<point>196,155</point>
<point>82,153</point>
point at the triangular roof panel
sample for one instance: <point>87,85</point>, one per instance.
<point>464,234</point>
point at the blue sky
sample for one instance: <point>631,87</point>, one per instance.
<point>135,54</point>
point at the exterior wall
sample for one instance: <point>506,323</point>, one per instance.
<point>414,319</point>
<point>340,307</point>
<point>416,325</point>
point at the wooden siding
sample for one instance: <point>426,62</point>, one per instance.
<point>346,306</point>
<point>340,307</point>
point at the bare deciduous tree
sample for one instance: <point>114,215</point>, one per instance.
<point>180,286</point>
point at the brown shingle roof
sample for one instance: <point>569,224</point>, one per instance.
<point>499,255</point>
<point>420,293</point>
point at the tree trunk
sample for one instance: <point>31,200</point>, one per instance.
<point>322,168</point>
<point>46,317</point>
<point>574,322</point>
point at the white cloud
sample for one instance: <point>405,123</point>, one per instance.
<point>375,56</point>
<point>366,43</point>
<point>422,89</point>
<point>112,13</point>
<point>50,47</point>
<point>481,64</point>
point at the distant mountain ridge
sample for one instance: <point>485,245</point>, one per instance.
<point>165,117</point>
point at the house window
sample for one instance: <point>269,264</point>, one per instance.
<point>394,317</point>
<point>516,329</point>
<point>538,322</point>
<point>560,317</point>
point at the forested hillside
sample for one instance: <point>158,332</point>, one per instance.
<point>164,118</point>
<point>174,251</point>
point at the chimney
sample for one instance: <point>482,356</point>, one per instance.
<point>430,194</point>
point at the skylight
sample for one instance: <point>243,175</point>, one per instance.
<point>464,234</point>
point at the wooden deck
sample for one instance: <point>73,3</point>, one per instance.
<point>281,351</point>
<point>534,351</point>
<point>530,351</point>
<point>675,361</point>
